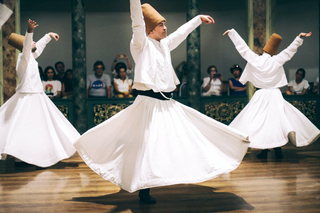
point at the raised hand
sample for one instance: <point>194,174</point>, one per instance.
<point>207,19</point>
<point>226,32</point>
<point>305,34</point>
<point>54,36</point>
<point>31,25</point>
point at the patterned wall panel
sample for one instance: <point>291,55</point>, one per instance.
<point>308,108</point>
<point>64,109</point>
<point>103,112</point>
<point>225,111</point>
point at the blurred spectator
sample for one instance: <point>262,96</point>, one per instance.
<point>315,88</point>
<point>181,72</point>
<point>121,57</point>
<point>40,72</point>
<point>299,86</point>
<point>51,87</point>
<point>122,84</point>
<point>67,85</point>
<point>236,87</point>
<point>212,85</point>
<point>98,84</point>
<point>60,71</point>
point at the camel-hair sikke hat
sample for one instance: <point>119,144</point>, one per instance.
<point>16,41</point>
<point>273,44</point>
<point>151,17</point>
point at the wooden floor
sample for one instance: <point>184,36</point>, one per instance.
<point>290,185</point>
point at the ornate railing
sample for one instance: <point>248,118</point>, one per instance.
<point>221,108</point>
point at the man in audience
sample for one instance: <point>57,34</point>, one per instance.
<point>98,84</point>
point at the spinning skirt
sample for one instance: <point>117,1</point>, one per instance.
<point>33,130</point>
<point>270,122</point>
<point>161,142</point>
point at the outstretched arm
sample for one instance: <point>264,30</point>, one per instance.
<point>241,45</point>
<point>27,44</point>
<point>42,43</point>
<point>286,54</point>
<point>138,26</point>
<point>182,32</point>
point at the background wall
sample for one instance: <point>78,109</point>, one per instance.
<point>108,31</point>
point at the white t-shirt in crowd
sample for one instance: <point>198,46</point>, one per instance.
<point>298,88</point>
<point>215,86</point>
<point>51,88</point>
<point>123,86</point>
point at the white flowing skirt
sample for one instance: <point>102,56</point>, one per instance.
<point>35,131</point>
<point>268,119</point>
<point>156,143</point>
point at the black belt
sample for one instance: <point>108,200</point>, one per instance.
<point>156,95</point>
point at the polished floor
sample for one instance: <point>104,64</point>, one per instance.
<point>288,185</point>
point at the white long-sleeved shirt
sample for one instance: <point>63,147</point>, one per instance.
<point>152,58</point>
<point>27,66</point>
<point>264,71</point>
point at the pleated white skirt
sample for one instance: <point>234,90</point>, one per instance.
<point>268,119</point>
<point>35,131</point>
<point>156,143</point>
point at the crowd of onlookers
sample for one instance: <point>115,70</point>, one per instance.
<point>57,82</point>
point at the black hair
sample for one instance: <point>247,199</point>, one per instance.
<point>235,67</point>
<point>303,72</point>
<point>59,62</point>
<point>98,63</point>
<point>45,76</point>
<point>120,66</point>
<point>69,70</point>
<point>210,67</point>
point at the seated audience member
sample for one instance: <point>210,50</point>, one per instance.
<point>315,88</point>
<point>60,71</point>
<point>212,85</point>
<point>67,85</point>
<point>121,57</point>
<point>51,87</point>
<point>122,84</point>
<point>299,86</point>
<point>98,84</point>
<point>236,87</point>
<point>181,72</point>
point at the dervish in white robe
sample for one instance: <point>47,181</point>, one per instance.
<point>159,142</point>
<point>268,119</point>
<point>32,128</point>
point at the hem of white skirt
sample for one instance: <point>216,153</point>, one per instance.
<point>45,163</point>
<point>312,139</point>
<point>153,183</point>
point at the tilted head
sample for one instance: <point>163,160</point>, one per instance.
<point>154,21</point>
<point>273,44</point>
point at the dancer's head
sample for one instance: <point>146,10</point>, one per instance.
<point>273,44</point>
<point>155,23</point>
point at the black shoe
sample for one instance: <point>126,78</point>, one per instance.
<point>263,154</point>
<point>278,153</point>
<point>145,197</point>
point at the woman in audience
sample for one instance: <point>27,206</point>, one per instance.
<point>122,85</point>
<point>51,87</point>
<point>299,86</point>
<point>212,85</point>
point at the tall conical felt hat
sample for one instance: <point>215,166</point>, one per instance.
<point>151,17</point>
<point>273,44</point>
<point>16,41</point>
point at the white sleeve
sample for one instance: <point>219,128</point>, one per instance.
<point>41,44</point>
<point>306,84</point>
<point>139,36</point>
<point>241,46</point>
<point>286,54</point>
<point>177,37</point>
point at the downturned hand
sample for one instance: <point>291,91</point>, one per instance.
<point>207,19</point>
<point>54,36</point>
